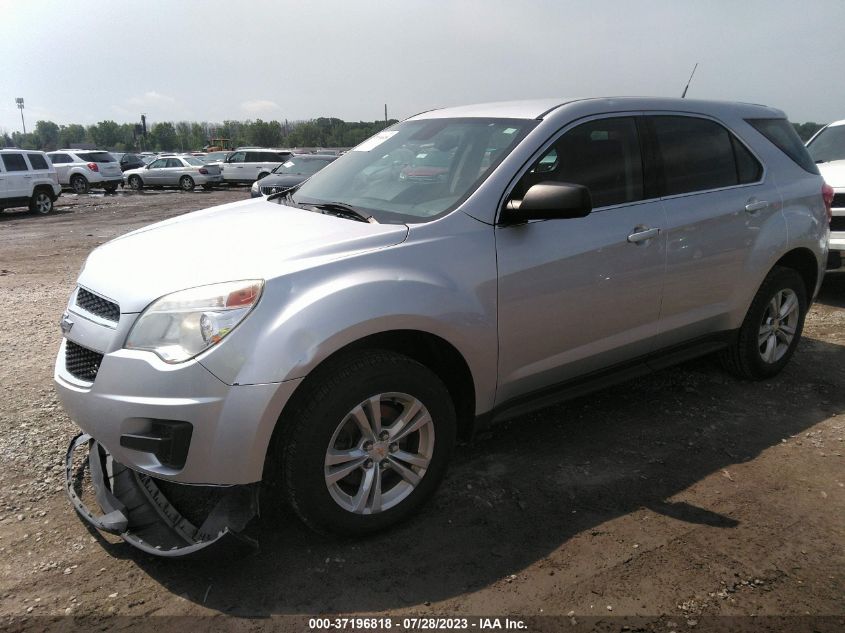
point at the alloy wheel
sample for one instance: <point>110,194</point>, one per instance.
<point>780,323</point>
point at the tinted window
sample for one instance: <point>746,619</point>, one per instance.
<point>96,157</point>
<point>14,162</point>
<point>748,168</point>
<point>60,158</point>
<point>37,161</point>
<point>781,133</point>
<point>603,155</point>
<point>828,145</point>
<point>697,154</point>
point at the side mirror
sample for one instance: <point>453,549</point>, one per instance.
<point>550,201</point>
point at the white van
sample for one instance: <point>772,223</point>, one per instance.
<point>247,166</point>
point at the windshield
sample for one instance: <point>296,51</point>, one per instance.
<point>828,145</point>
<point>416,170</point>
<point>302,166</point>
<point>214,157</point>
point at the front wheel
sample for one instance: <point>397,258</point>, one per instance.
<point>79,184</point>
<point>367,443</point>
<point>772,327</point>
<point>186,183</point>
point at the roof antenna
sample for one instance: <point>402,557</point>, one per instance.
<point>689,80</point>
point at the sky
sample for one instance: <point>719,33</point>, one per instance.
<point>212,60</point>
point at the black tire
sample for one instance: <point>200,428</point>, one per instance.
<point>186,183</point>
<point>41,202</point>
<point>744,357</point>
<point>208,187</point>
<point>135,183</point>
<point>79,184</point>
<point>110,188</point>
<point>307,429</point>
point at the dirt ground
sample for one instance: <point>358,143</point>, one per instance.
<point>678,497</point>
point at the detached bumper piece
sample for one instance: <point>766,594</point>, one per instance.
<point>134,506</point>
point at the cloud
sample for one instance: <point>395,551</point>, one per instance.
<point>260,107</point>
<point>151,98</point>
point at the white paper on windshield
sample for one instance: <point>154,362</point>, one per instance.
<point>375,141</point>
<point>288,164</point>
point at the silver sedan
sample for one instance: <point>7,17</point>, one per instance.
<point>185,172</point>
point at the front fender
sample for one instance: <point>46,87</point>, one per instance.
<point>440,281</point>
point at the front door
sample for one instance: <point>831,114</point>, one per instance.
<point>580,295</point>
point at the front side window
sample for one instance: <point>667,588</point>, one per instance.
<point>602,155</point>
<point>237,157</point>
<point>828,145</point>
<point>158,164</point>
<point>415,170</point>
<point>15,162</point>
<point>37,161</point>
<point>699,154</point>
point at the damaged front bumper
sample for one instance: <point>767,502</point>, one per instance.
<point>135,507</point>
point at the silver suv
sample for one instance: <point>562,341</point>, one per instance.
<point>463,266</point>
<point>82,169</point>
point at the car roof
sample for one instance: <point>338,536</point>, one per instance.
<point>20,149</point>
<point>539,108</point>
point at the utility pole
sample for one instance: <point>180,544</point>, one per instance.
<point>19,102</point>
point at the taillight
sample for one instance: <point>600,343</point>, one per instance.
<point>203,170</point>
<point>93,167</point>
<point>827,196</point>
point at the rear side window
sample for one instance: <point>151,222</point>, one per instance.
<point>174,162</point>
<point>60,158</point>
<point>14,162</point>
<point>96,157</point>
<point>781,133</point>
<point>255,157</point>
<point>699,154</point>
<point>37,161</point>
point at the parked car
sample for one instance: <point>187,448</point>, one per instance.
<point>185,172</point>
<point>131,161</point>
<point>27,179</point>
<point>337,338</point>
<point>297,168</point>
<point>827,149</point>
<point>82,169</point>
<point>247,166</point>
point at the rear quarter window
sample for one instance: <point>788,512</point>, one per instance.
<point>37,161</point>
<point>783,136</point>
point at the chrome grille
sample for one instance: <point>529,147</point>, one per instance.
<point>82,362</point>
<point>94,304</point>
<point>266,191</point>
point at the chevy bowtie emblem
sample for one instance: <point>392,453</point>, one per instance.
<point>66,324</point>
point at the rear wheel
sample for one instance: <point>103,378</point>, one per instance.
<point>79,183</point>
<point>772,327</point>
<point>136,183</point>
<point>186,183</point>
<point>41,202</point>
<point>367,443</point>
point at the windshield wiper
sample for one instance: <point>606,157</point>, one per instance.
<point>345,211</point>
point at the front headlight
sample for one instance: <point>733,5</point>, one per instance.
<point>183,324</point>
<point>255,187</point>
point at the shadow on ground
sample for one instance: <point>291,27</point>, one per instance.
<point>524,489</point>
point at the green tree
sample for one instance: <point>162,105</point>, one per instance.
<point>163,136</point>
<point>71,134</point>
<point>105,134</point>
<point>48,135</point>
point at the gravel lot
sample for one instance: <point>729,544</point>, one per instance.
<point>677,497</point>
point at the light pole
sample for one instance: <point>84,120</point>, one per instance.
<point>19,102</point>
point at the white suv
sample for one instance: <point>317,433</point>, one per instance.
<point>827,149</point>
<point>82,169</point>
<point>27,179</point>
<point>247,166</point>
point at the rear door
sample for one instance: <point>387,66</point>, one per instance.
<point>172,172</point>
<point>61,162</point>
<point>18,176</point>
<point>717,197</point>
<point>580,295</point>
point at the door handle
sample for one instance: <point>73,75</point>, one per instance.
<point>754,207</point>
<point>641,234</point>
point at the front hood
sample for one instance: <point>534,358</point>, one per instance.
<point>134,170</point>
<point>833,173</point>
<point>252,239</point>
